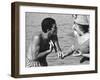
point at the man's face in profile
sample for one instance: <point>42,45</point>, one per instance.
<point>53,30</point>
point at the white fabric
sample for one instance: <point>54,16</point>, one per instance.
<point>82,39</point>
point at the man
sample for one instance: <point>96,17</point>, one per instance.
<point>44,43</point>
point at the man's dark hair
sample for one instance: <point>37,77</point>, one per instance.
<point>47,24</point>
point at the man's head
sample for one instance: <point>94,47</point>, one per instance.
<point>48,24</point>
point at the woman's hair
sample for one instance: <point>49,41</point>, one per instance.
<point>84,28</point>
<point>47,24</point>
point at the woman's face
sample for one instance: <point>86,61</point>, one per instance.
<point>77,29</point>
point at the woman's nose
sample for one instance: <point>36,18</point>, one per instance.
<point>74,27</point>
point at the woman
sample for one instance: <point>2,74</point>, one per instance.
<point>81,32</point>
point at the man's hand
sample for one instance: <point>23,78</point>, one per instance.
<point>60,54</point>
<point>51,46</point>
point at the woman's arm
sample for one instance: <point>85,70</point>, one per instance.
<point>83,48</point>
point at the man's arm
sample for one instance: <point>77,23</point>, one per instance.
<point>33,49</point>
<point>42,54</point>
<point>56,44</point>
<point>57,47</point>
<point>35,55</point>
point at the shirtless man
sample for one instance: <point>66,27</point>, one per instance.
<point>44,43</point>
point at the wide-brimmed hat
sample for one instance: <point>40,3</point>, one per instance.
<point>82,19</point>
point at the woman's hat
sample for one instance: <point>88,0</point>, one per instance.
<point>82,19</point>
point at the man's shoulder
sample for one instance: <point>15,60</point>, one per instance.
<point>37,35</point>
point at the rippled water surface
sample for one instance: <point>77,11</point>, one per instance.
<point>65,36</point>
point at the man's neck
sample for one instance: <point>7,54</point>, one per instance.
<point>45,35</point>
